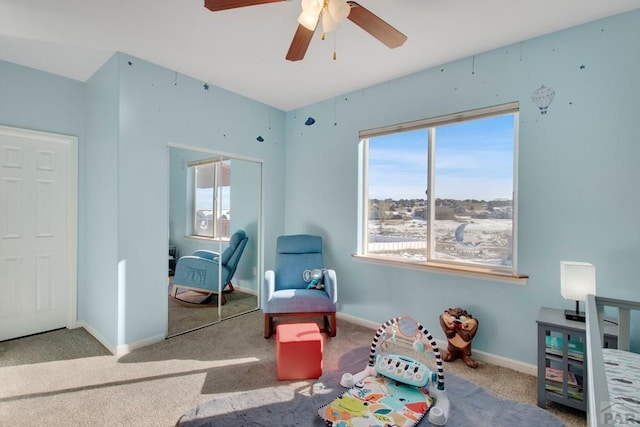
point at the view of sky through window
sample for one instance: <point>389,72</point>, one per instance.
<point>474,160</point>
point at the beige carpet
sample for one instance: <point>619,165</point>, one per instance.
<point>66,378</point>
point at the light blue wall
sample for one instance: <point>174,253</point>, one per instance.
<point>98,206</point>
<point>157,107</point>
<point>245,205</point>
<point>35,100</point>
<point>577,183</point>
<point>131,112</point>
<point>578,178</point>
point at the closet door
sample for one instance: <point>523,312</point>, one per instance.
<point>37,248</point>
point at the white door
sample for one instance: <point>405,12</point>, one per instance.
<point>37,232</point>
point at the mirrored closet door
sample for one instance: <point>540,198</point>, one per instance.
<point>215,255</point>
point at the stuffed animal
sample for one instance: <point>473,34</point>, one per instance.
<point>315,278</point>
<point>460,328</point>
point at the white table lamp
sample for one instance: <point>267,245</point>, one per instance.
<point>577,280</point>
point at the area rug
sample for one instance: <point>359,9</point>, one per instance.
<point>296,404</point>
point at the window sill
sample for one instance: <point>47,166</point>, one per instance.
<point>208,239</point>
<point>469,272</point>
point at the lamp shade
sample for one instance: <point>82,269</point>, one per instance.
<point>577,280</point>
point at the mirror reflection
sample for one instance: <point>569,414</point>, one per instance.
<point>214,230</point>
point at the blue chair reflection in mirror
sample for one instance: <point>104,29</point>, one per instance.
<point>286,293</point>
<point>199,272</point>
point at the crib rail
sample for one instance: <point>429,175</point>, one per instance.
<point>599,410</point>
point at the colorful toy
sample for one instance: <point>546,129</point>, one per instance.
<point>393,389</point>
<point>460,328</point>
<point>377,401</point>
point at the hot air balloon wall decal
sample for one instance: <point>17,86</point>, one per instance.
<point>542,97</point>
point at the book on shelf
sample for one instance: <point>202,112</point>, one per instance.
<point>554,345</point>
<point>557,375</point>
<point>571,392</point>
<point>570,354</point>
<point>554,382</point>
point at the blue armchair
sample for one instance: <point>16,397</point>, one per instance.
<point>199,272</point>
<point>286,293</point>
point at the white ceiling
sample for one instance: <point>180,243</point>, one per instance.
<point>243,50</point>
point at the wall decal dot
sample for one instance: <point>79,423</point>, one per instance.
<point>310,121</point>
<point>206,86</point>
<point>130,63</point>
<point>260,139</point>
<point>582,67</point>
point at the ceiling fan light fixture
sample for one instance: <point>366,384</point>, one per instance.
<point>312,6</point>
<point>310,12</point>
<point>338,9</point>
<point>333,13</point>
<point>308,21</point>
<point>328,23</point>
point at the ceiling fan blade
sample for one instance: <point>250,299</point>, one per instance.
<point>215,5</point>
<point>300,43</point>
<point>375,26</point>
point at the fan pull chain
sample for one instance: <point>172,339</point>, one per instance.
<point>334,47</point>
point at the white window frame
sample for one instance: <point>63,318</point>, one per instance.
<point>216,233</point>
<point>508,274</point>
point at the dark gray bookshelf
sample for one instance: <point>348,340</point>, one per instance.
<point>562,345</point>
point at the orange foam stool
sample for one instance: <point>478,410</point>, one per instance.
<point>298,351</point>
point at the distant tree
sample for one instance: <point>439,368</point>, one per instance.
<point>384,207</point>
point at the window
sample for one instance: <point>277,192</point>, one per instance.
<point>441,192</point>
<point>211,198</point>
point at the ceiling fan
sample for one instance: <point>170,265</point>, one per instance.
<point>330,13</point>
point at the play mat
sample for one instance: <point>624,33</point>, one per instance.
<point>392,389</point>
<point>377,401</point>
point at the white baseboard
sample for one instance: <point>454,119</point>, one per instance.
<point>96,335</point>
<point>123,349</point>
<point>481,356</point>
<point>120,350</point>
<point>245,290</point>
